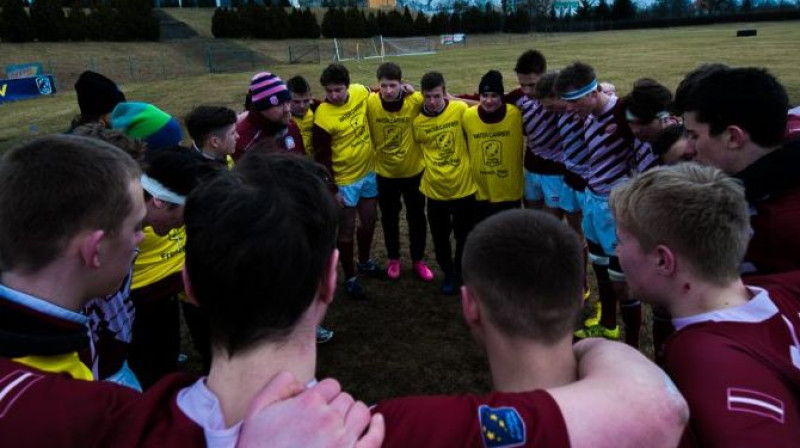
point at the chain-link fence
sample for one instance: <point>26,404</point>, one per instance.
<point>230,58</point>
<point>304,54</point>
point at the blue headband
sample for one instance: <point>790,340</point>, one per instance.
<point>580,93</point>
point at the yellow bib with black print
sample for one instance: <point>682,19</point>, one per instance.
<point>495,154</point>
<point>159,256</point>
<point>397,155</point>
<point>447,172</point>
<point>306,124</point>
<point>351,145</point>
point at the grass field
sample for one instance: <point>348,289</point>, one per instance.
<point>409,338</point>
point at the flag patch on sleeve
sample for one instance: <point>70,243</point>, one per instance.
<point>501,427</point>
<point>753,402</point>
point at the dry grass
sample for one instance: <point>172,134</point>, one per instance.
<point>619,57</point>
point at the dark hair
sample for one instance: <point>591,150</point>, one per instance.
<point>647,99</point>
<point>205,120</point>
<point>54,187</point>
<point>545,86</point>
<point>389,70</point>
<point>685,89</point>
<point>298,84</point>
<point>666,138</point>
<point>248,101</point>
<point>750,98</point>
<point>531,62</point>
<point>335,74</point>
<point>133,147</point>
<point>432,80</point>
<point>259,240</point>
<point>573,77</point>
<point>526,269</point>
<point>179,169</point>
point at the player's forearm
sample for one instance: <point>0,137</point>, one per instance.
<point>641,406</point>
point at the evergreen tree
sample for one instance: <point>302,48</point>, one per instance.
<point>623,10</point>
<point>102,24</point>
<point>77,23</point>
<point>422,26</point>
<point>48,20</point>
<point>310,25</point>
<point>394,24</point>
<point>585,9</point>
<point>278,21</point>
<point>407,23</point>
<point>15,25</point>
<point>355,24</point>
<point>440,23</point>
<point>602,11</point>
<point>259,21</point>
<point>333,23</point>
<point>456,24</point>
<point>372,25</point>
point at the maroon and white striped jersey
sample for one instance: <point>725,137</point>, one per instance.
<point>576,153</point>
<point>543,140</point>
<point>613,152</point>
<point>739,368</point>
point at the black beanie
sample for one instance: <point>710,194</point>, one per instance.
<point>492,81</point>
<point>97,95</point>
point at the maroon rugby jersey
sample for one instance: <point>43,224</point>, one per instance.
<point>496,420</point>
<point>39,409</point>
<point>739,368</point>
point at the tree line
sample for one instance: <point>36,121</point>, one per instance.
<point>278,22</point>
<point>47,21</point>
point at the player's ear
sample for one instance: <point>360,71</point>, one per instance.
<point>666,261</point>
<point>737,137</point>
<point>89,248</point>
<point>327,285</point>
<point>469,306</point>
<point>187,287</point>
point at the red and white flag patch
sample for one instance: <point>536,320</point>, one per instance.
<point>13,385</point>
<point>753,402</point>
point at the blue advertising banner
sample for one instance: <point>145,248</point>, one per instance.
<point>26,88</point>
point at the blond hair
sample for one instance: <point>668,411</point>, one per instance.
<point>697,211</point>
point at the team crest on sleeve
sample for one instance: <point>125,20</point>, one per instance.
<point>501,427</point>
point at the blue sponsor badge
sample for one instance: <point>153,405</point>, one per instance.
<point>501,427</point>
<point>44,86</point>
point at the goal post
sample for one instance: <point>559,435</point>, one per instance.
<point>380,47</point>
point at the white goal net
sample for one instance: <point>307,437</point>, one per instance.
<point>380,47</point>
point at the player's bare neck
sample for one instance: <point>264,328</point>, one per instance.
<point>235,381</point>
<point>706,297</point>
<point>520,366</point>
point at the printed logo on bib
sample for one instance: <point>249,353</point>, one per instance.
<point>501,427</point>
<point>492,153</point>
<point>391,136</point>
<point>446,143</point>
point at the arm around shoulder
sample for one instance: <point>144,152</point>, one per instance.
<point>620,399</point>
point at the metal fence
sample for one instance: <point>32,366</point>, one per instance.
<point>227,59</point>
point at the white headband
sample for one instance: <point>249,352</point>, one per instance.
<point>158,190</point>
<point>660,115</point>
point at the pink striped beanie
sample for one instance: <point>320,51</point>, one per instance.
<point>268,90</point>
